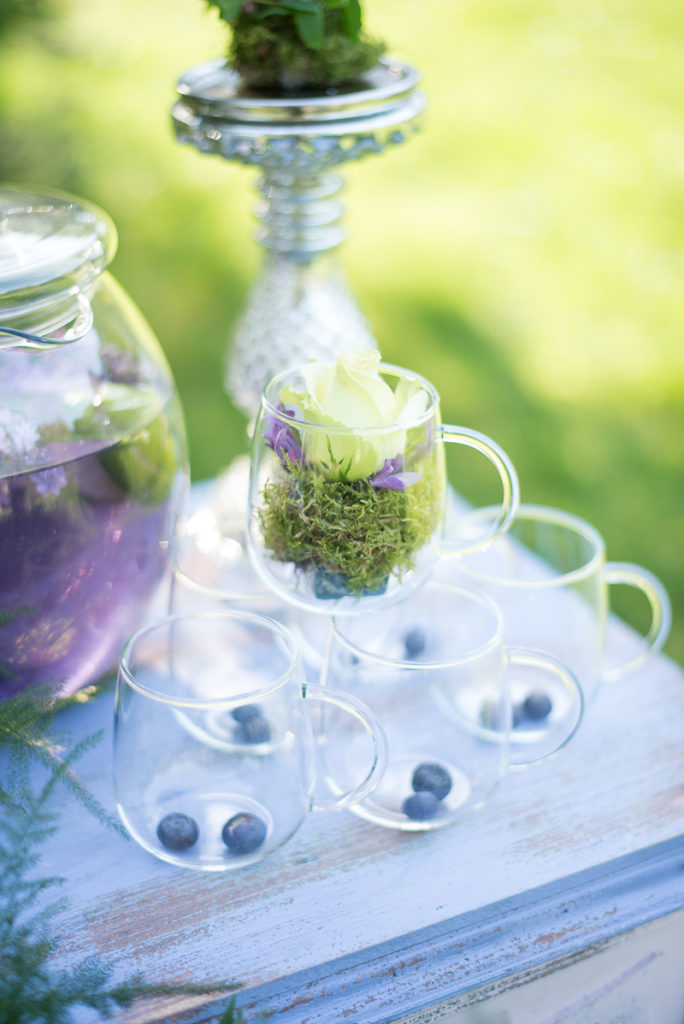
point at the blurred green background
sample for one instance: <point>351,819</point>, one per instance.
<point>524,252</point>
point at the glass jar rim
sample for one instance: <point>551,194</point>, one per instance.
<point>53,247</point>
<point>277,382</point>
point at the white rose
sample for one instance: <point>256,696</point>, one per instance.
<point>350,394</point>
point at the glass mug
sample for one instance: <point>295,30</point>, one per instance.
<point>457,706</point>
<point>214,742</point>
<point>212,571</point>
<point>342,518</point>
<point>550,578</point>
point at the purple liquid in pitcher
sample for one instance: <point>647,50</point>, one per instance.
<point>83,545</point>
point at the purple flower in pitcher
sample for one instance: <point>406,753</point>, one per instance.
<point>50,481</point>
<point>281,438</point>
<point>391,477</point>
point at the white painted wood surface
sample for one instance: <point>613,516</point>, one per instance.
<point>351,922</point>
<point>560,902</point>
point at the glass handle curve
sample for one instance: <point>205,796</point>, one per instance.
<point>507,474</point>
<point>370,723</point>
<point>627,574</point>
<point>526,753</point>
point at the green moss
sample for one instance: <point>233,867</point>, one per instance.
<point>145,466</point>
<point>351,531</point>
<point>147,458</point>
<point>292,44</point>
<point>270,54</point>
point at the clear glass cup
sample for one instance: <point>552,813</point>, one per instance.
<point>212,571</point>
<point>343,518</point>
<point>215,741</point>
<point>458,706</point>
<point>550,578</point>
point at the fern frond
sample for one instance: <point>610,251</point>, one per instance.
<point>27,733</point>
<point>31,991</point>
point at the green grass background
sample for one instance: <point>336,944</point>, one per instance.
<point>524,252</point>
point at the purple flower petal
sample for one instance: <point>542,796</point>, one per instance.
<point>390,477</point>
<point>50,481</point>
<point>281,438</point>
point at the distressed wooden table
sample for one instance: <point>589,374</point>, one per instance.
<point>561,901</point>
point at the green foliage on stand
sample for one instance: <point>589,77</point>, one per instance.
<point>297,43</point>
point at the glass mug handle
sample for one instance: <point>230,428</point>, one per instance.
<point>509,480</point>
<point>523,754</point>
<point>627,574</point>
<point>370,723</point>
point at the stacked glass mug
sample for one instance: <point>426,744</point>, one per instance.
<point>343,561</point>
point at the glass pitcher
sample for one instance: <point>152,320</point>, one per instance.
<point>93,464</point>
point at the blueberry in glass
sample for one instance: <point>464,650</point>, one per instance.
<point>431,777</point>
<point>256,730</point>
<point>537,706</point>
<point>246,712</point>
<point>414,643</point>
<point>253,726</point>
<point>244,833</point>
<point>177,831</point>
<point>421,806</point>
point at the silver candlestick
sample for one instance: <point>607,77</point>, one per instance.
<point>300,306</point>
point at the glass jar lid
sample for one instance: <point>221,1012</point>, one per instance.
<point>53,247</point>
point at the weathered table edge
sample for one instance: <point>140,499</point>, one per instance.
<point>576,916</point>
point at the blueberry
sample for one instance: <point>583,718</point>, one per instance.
<point>414,643</point>
<point>255,730</point>
<point>246,712</point>
<point>177,831</point>
<point>421,806</point>
<point>243,833</point>
<point>431,778</point>
<point>537,706</point>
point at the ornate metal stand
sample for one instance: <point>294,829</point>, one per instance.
<point>300,306</point>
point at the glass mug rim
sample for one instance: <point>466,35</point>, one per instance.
<point>554,517</point>
<point>180,575</point>
<point>495,641</point>
<point>276,383</point>
<point>201,704</point>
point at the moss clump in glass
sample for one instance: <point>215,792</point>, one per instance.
<point>297,44</point>
<point>350,534</point>
<point>354,485</point>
